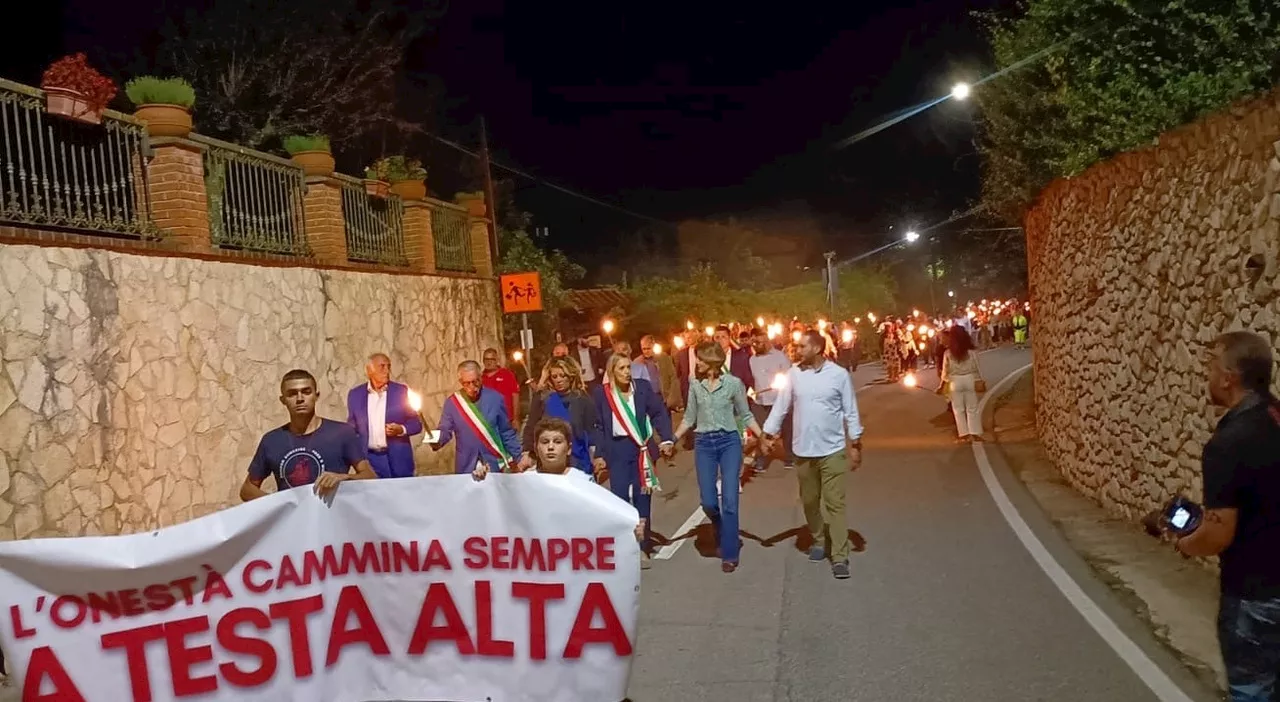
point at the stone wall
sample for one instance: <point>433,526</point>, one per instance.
<point>134,388</point>
<point>1135,266</point>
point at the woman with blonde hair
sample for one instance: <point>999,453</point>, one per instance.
<point>633,419</point>
<point>717,403</point>
<point>566,398</point>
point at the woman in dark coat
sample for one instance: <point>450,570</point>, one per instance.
<point>566,398</point>
<point>632,415</point>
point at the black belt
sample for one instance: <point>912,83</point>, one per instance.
<point>377,451</point>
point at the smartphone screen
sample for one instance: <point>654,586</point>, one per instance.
<point>1180,518</point>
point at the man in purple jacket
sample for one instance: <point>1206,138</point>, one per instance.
<point>380,412</point>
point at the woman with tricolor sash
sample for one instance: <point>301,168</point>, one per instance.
<point>633,418</point>
<point>716,402</point>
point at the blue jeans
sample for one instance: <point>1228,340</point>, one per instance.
<point>719,454</point>
<point>1249,634</point>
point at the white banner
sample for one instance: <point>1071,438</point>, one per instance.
<point>520,587</point>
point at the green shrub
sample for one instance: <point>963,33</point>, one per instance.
<point>297,143</point>
<point>396,168</point>
<point>150,90</point>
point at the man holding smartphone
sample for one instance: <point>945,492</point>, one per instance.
<point>1241,520</point>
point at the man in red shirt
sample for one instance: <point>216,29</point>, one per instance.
<point>504,381</point>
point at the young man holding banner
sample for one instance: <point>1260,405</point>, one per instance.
<point>478,415</point>
<point>309,450</point>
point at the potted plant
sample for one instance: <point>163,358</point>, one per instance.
<point>407,176</point>
<point>163,103</point>
<point>312,152</point>
<point>473,201</point>
<point>75,90</point>
<point>375,180</point>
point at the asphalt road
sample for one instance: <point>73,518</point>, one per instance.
<point>944,604</point>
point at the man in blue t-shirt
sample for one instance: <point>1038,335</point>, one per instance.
<point>309,450</point>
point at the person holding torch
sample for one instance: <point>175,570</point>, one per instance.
<point>769,368</point>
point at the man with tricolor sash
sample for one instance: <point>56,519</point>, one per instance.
<point>477,416</point>
<point>632,416</point>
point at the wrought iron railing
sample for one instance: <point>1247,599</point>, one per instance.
<point>62,173</point>
<point>452,237</point>
<point>255,199</point>
<point>375,225</point>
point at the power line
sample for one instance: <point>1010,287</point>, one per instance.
<point>542,181</point>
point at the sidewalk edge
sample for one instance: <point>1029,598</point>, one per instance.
<point>1119,627</point>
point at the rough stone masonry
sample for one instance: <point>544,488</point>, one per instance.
<point>1135,265</point>
<point>134,388</point>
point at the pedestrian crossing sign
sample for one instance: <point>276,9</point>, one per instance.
<point>521,292</point>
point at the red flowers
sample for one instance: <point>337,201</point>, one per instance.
<point>75,73</point>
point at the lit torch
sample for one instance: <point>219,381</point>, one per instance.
<point>779,381</point>
<point>678,342</point>
<point>847,336</point>
<point>415,404</point>
<point>795,336</point>
<point>909,380</point>
<point>689,325</point>
<point>759,321</point>
<point>657,349</point>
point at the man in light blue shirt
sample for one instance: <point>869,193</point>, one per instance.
<point>827,442</point>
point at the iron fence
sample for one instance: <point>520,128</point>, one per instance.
<point>255,199</point>
<point>452,237</point>
<point>374,225</point>
<point>62,173</point>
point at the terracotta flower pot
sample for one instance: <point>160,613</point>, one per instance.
<point>475,206</point>
<point>315,163</point>
<point>377,188</point>
<point>409,189</point>
<point>165,120</point>
<point>71,104</point>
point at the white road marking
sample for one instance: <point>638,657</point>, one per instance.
<point>669,550</point>
<point>1164,688</point>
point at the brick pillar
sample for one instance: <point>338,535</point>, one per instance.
<point>322,217</point>
<point>481,256</point>
<point>179,201</point>
<point>419,244</point>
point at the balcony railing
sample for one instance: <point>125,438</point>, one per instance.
<point>452,238</point>
<point>62,173</point>
<point>374,225</point>
<point>255,199</point>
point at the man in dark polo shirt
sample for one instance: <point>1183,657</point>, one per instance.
<point>309,450</point>
<point>1241,465</point>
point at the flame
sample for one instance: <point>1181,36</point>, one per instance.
<point>795,336</point>
<point>822,324</point>
<point>909,380</point>
<point>607,325</point>
<point>779,381</point>
<point>517,356</point>
<point>847,335</point>
<point>710,331</point>
<point>678,342</point>
<point>415,401</point>
<point>857,320</point>
<point>657,349</point>
<point>759,321</point>
<point>689,325</point>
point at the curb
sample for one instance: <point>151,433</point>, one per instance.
<point>1121,629</point>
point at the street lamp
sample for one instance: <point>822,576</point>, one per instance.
<point>912,237</point>
<point>960,91</point>
<point>951,293</point>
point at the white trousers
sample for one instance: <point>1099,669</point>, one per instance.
<point>964,404</point>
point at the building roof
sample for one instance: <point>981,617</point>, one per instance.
<point>595,299</point>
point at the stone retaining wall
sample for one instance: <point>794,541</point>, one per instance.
<point>134,388</point>
<point>1134,266</point>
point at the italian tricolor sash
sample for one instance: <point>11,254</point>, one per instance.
<point>639,431</point>
<point>487,434</point>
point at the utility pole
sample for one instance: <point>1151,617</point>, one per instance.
<point>489,198</point>
<point>933,273</point>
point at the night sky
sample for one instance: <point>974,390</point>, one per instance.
<point>674,110</point>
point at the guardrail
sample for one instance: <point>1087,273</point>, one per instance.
<point>374,225</point>
<point>61,173</point>
<point>255,199</point>
<point>452,238</point>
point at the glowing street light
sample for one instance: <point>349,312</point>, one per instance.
<point>951,293</point>
<point>961,91</point>
<point>911,237</point>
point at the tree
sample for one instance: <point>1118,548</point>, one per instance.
<point>521,251</point>
<point>1114,75</point>
<point>264,69</point>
